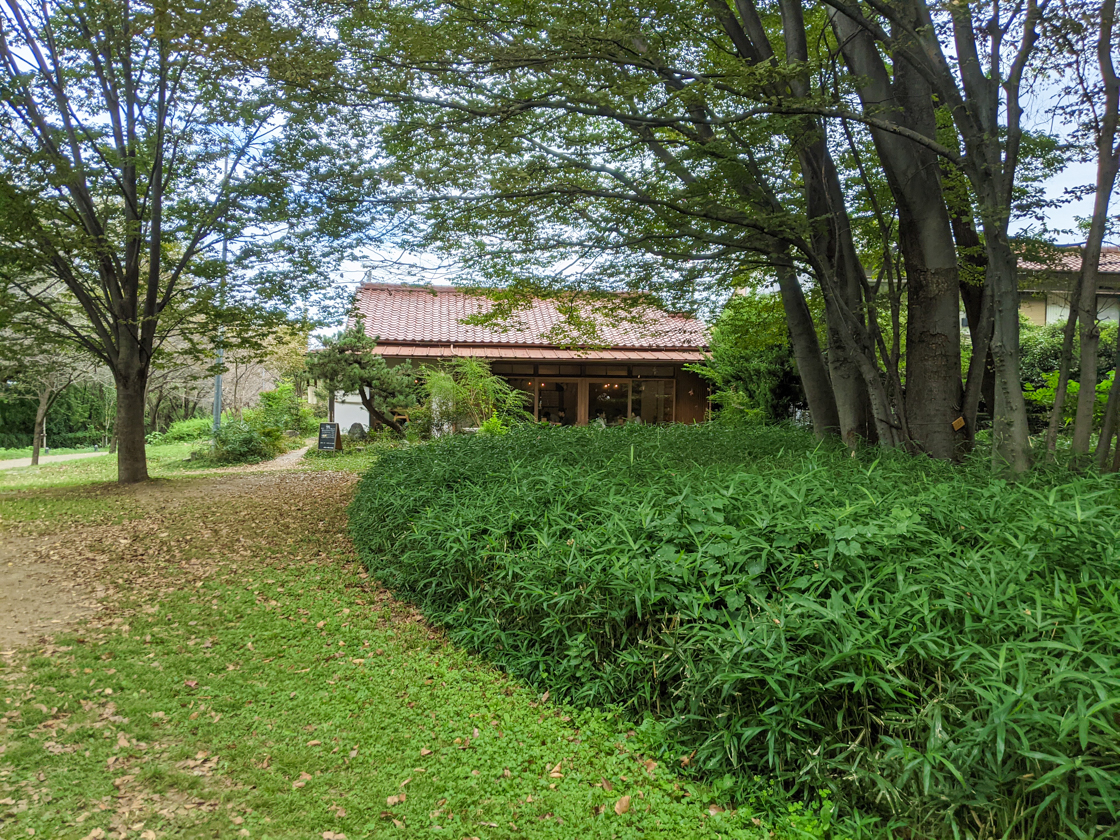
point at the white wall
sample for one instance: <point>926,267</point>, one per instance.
<point>350,411</point>
<point>1057,308</point>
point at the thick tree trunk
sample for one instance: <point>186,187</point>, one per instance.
<point>832,243</point>
<point>1090,335</point>
<point>132,463</point>
<point>933,362</point>
<point>807,354</point>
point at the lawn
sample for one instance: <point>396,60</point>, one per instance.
<point>247,678</point>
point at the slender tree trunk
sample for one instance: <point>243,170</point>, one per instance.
<point>977,299</point>
<point>1011,443</point>
<point>379,415</point>
<point>40,425</point>
<point>807,354</point>
<point>132,464</point>
<point>1090,335</point>
<point>1108,163</point>
<point>1111,410</point>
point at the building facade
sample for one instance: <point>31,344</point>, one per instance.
<point>609,367</point>
<point>1045,286</point>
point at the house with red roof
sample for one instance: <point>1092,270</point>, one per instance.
<point>603,366</point>
<point>1045,284</point>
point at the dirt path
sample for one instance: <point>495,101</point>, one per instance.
<point>48,584</point>
<point>39,595</point>
<point>47,459</point>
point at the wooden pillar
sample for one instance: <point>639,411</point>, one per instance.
<point>583,403</point>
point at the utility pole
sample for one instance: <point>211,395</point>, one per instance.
<point>221,304</point>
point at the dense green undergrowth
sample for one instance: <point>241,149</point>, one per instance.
<point>936,647</point>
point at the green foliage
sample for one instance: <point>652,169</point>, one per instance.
<point>937,648</point>
<point>282,409</point>
<point>1044,396</point>
<point>348,362</point>
<point>243,442</point>
<point>197,428</point>
<point>1040,357</point>
<point>463,393</point>
<point>78,418</point>
<point>751,367</point>
<point>493,425</point>
<point>236,670</point>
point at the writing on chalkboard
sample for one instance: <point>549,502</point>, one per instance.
<point>328,436</point>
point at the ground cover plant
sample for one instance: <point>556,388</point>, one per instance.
<point>935,647</point>
<point>245,677</point>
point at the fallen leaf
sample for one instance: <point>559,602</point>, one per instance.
<point>314,743</point>
<point>622,806</point>
<point>607,786</point>
<point>544,699</point>
<point>715,809</point>
<point>190,683</point>
<point>425,751</point>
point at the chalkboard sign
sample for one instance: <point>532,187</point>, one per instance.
<point>328,436</point>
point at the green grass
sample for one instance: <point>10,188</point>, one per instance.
<point>937,647</point>
<point>25,452</point>
<point>250,678</point>
<point>356,458</point>
<point>48,497</point>
<point>100,468</point>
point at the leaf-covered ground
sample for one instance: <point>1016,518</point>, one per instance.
<point>244,678</point>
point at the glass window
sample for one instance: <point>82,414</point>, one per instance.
<point>525,385</point>
<point>557,403</point>
<point>653,400</point>
<point>610,402</point>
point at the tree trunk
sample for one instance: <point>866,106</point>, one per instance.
<point>132,464</point>
<point>933,364</point>
<point>807,354</point>
<point>1111,410</point>
<point>1087,309</point>
<point>40,425</point>
<point>1011,444</point>
<point>367,401</point>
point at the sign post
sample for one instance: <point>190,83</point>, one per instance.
<point>329,437</point>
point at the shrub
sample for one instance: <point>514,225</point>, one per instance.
<point>283,410</point>
<point>938,648</point>
<point>182,431</point>
<point>240,442</point>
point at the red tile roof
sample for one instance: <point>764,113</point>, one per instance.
<point>1068,258</point>
<point>428,321</point>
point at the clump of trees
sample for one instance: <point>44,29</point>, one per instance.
<point>876,153</point>
<point>159,184</point>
